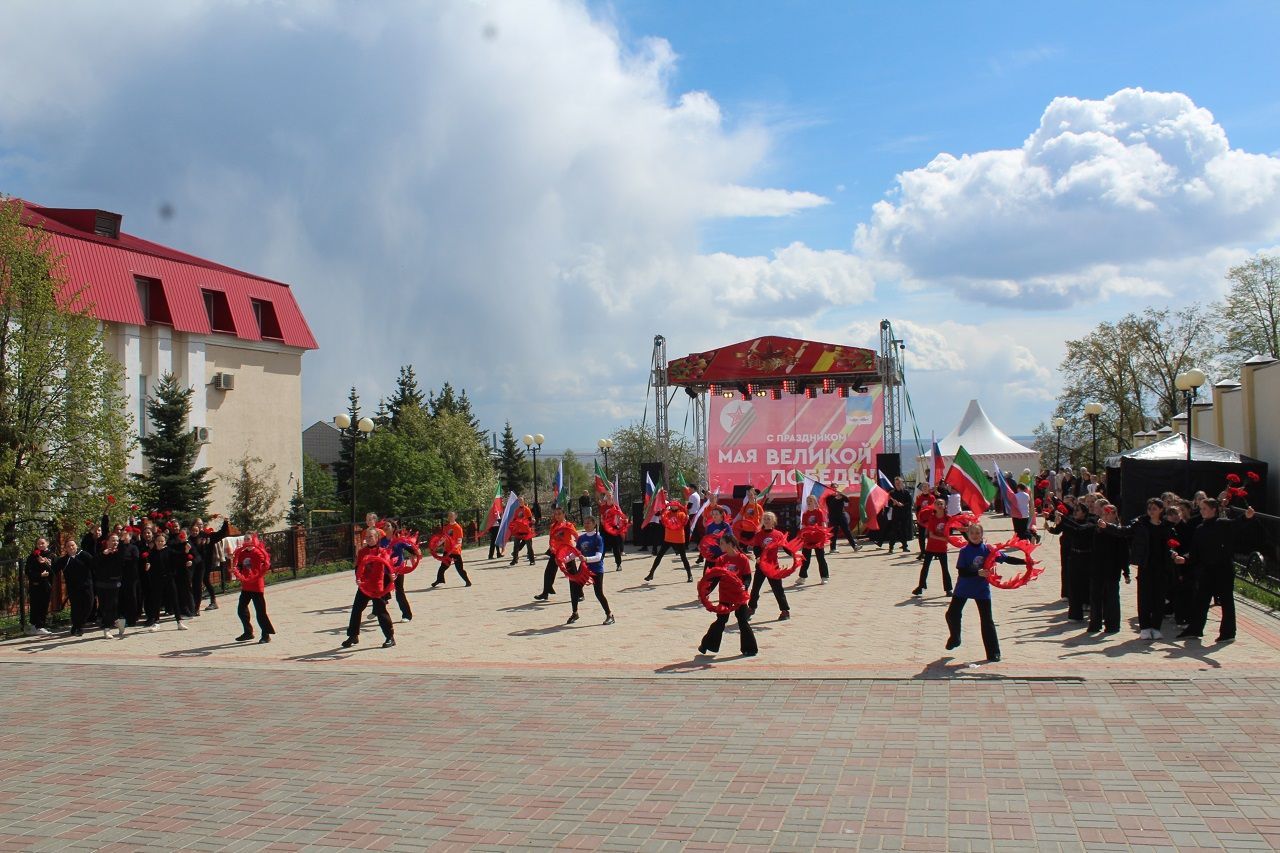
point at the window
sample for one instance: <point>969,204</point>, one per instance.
<point>155,308</point>
<point>144,297</point>
<point>257,312</point>
<point>142,406</point>
<point>106,225</point>
<point>218,310</point>
<point>268,324</point>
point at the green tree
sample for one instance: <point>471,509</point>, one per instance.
<point>382,417</point>
<point>65,436</point>
<point>1249,317</point>
<point>406,396</point>
<point>254,494</point>
<point>347,447</point>
<point>511,463</point>
<point>635,444</point>
<point>297,507</point>
<point>402,472</point>
<point>466,456</point>
<point>577,477</point>
<point>319,492</point>
<point>171,479</point>
<point>445,401</point>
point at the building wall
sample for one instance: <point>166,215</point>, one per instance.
<point>323,443</point>
<point>1243,418</point>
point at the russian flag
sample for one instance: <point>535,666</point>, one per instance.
<point>935,469</point>
<point>1006,495</point>
<point>508,513</point>
<point>557,485</point>
<point>884,482</point>
<point>812,487</point>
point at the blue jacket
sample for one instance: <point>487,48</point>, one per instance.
<point>592,547</point>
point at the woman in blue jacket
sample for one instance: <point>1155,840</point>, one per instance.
<point>972,583</point>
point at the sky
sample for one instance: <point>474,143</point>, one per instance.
<point>515,197</point>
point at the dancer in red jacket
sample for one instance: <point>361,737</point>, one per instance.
<point>250,565</point>
<point>374,583</point>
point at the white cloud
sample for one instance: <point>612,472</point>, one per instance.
<point>1100,191</point>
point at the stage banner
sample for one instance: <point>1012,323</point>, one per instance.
<point>830,438</point>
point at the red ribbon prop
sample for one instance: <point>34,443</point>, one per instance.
<point>813,536</point>
<point>250,561</point>
<point>960,521</point>
<point>521,529</point>
<point>709,543</point>
<point>371,574</point>
<point>573,565</point>
<point>1026,576</point>
<point>563,535</point>
<point>405,553</point>
<point>615,521</point>
<point>438,547</point>
<point>732,593</point>
<point>768,562</point>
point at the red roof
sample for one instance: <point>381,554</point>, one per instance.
<point>106,269</point>
<point>773,358</point>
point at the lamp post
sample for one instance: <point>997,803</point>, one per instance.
<point>1058,424</point>
<point>605,444</point>
<point>534,444</point>
<point>1093,411</point>
<point>363,426</point>
<point>1188,383</point>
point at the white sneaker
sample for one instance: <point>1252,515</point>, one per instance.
<point>181,627</point>
<point>106,635</point>
<point>44,632</point>
<point>1156,635</point>
<point>119,629</point>
<point>154,628</point>
<point>1144,634</point>
<point>822,582</point>
<point>32,630</point>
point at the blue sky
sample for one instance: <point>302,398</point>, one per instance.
<point>520,193</point>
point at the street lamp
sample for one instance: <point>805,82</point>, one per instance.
<point>605,444</point>
<point>1058,424</point>
<point>534,444</point>
<point>364,426</point>
<point>1188,383</point>
<point>1093,411</point>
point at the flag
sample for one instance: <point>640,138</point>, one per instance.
<point>508,513</point>
<point>937,466</point>
<point>768,488</point>
<point>649,489</point>
<point>885,482</point>
<point>872,500</point>
<point>970,483</point>
<point>683,484</point>
<point>1007,495</point>
<point>557,484</point>
<point>812,487</point>
<point>601,484</point>
<point>702,507</point>
<point>495,507</point>
<point>656,506</point>
<point>615,488</point>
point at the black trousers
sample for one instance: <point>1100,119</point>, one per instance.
<point>108,604</point>
<point>1151,591</point>
<point>613,545</point>
<point>597,583</point>
<point>260,610</point>
<point>679,548</point>
<point>182,591</point>
<point>1219,582</point>
<point>549,576</point>
<point>81,604</point>
<point>779,594</point>
<point>527,544</point>
<point>201,582</point>
<point>494,551</point>
<point>1078,583</point>
<point>130,600</point>
<point>946,570</point>
<point>164,588</point>
<point>38,596</point>
<point>838,526</point>
<point>406,612</point>
<point>457,564</point>
<point>1183,593</point>
<point>809,553</point>
<point>379,610</point>
<point>955,611</point>
<point>1104,599</point>
<point>711,640</point>
<point>1020,526</point>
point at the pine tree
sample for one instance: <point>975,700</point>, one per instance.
<point>382,417</point>
<point>445,401</point>
<point>464,409</point>
<point>297,507</point>
<point>254,493</point>
<point>511,462</point>
<point>170,448</point>
<point>347,448</point>
<point>406,396</point>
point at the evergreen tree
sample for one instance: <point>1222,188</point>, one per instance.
<point>318,488</point>
<point>297,507</point>
<point>170,449</point>
<point>254,494</point>
<point>382,417</point>
<point>347,448</point>
<point>464,409</point>
<point>406,396</point>
<point>511,463</point>
<point>445,401</point>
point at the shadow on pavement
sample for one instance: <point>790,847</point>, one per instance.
<point>204,651</point>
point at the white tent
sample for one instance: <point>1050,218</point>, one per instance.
<point>986,443</point>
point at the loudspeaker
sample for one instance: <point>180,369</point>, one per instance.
<point>655,472</point>
<point>890,464</point>
<point>740,492</point>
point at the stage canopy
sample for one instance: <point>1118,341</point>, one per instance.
<point>769,361</point>
<point>1147,472</point>
<point>986,443</point>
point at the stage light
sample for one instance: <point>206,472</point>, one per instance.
<point>762,393</point>
<point>789,385</point>
<point>775,394</point>
<point>751,388</point>
<point>713,389</point>
<point>691,391</point>
<point>746,396</point>
<point>728,395</point>
<point>828,385</point>
<point>809,393</point>
<point>859,389</point>
<point>842,391</point>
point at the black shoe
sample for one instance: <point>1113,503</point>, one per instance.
<point>608,619</point>
<point>994,659</point>
<point>266,638</point>
<point>702,650</point>
<point>244,637</point>
<point>1187,634</point>
<point>952,643</point>
<point>648,578</point>
<point>512,563</point>
<point>784,616</point>
<point>573,617</point>
<point>349,642</point>
<point>389,642</point>
<point>917,590</point>
<point>542,596</point>
<point>1230,639</point>
<point>468,583</point>
<point>436,584</point>
<point>749,654</point>
<point>406,617</point>
<point>690,578</point>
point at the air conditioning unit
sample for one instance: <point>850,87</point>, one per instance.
<point>201,434</point>
<point>224,381</point>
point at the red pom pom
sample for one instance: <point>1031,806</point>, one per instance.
<point>1043,484</point>
<point>1062,508</point>
<point>1233,479</point>
<point>1174,543</point>
<point>1039,503</point>
<point>36,552</point>
<point>146,554</point>
<point>1253,476</point>
<point>111,499</point>
<point>133,507</point>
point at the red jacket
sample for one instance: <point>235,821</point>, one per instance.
<point>813,518</point>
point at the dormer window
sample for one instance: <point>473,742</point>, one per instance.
<point>268,324</point>
<point>155,308</point>
<point>107,224</point>
<point>218,311</point>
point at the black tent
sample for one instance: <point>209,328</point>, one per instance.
<point>1145,472</point>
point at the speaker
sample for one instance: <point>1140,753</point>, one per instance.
<point>655,472</point>
<point>740,492</point>
<point>890,464</point>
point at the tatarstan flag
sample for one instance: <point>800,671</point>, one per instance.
<point>495,507</point>
<point>871,501</point>
<point>970,483</point>
<point>683,484</point>
<point>601,484</point>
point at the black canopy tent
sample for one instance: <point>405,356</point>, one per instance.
<point>1145,472</point>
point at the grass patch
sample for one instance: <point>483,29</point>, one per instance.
<point>1264,597</point>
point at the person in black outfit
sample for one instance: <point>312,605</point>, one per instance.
<point>837,502</point>
<point>130,593</point>
<point>1212,556</point>
<point>362,600</point>
<point>39,571</point>
<point>108,574</point>
<point>899,513</point>
<point>1078,532</point>
<point>1149,550</point>
<point>182,564</point>
<point>731,558</point>
<point>206,542</point>
<point>1110,562</point>
<point>158,564</point>
<point>76,568</point>
<point>89,541</point>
